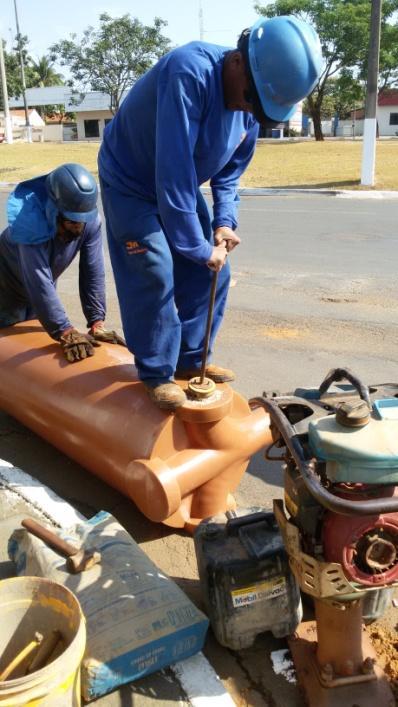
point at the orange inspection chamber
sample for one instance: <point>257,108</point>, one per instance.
<point>177,468</point>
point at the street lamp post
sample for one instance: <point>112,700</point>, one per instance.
<point>7,118</point>
<point>28,126</point>
<point>370,125</point>
<point>201,22</point>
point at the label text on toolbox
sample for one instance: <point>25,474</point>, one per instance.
<point>259,592</point>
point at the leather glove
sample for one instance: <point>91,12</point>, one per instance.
<point>100,333</point>
<point>77,346</point>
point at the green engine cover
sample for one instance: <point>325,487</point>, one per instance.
<point>367,454</point>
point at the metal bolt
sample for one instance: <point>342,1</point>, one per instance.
<point>348,668</point>
<point>327,672</point>
<point>367,666</point>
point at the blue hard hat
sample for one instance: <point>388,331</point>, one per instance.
<point>286,61</point>
<point>74,192</point>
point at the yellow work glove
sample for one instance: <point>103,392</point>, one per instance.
<point>77,346</point>
<point>100,333</point>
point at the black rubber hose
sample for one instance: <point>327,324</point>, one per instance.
<point>312,482</point>
<point>336,375</point>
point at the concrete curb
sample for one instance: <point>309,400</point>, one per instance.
<point>197,678</point>
<point>40,497</point>
<point>341,193</point>
<point>271,191</point>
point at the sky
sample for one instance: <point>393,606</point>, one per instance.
<point>47,21</point>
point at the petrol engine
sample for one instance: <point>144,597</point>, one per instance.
<point>339,523</point>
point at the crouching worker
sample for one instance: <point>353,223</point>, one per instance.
<point>50,219</point>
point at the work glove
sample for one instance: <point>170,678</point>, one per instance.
<point>77,346</point>
<point>100,333</point>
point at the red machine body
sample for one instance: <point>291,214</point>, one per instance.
<point>366,547</point>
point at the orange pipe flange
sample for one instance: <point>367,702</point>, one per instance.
<point>177,468</point>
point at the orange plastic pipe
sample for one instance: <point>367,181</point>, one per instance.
<point>177,468</point>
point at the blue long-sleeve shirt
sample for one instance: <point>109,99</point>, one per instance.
<point>28,275</point>
<point>171,134</point>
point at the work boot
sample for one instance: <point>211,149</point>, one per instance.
<point>215,373</point>
<point>167,396</point>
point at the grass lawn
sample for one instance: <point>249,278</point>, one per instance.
<point>275,164</point>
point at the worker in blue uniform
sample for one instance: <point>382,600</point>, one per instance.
<point>193,117</point>
<point>52,218</point>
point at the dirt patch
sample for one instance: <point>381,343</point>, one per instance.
<point>275,332</point>
<point>386,646</point>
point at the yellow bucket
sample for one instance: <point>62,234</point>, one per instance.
<point>29,605</point>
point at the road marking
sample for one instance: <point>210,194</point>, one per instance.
<point>39,496</point>
<point>201,684</point>
<point>282,664</point>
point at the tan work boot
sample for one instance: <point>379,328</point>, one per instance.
<point>215,373</point>
<point>167,396</point>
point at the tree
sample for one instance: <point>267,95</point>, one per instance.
<point>347,93</point>
<point>110,59</point>
<point>389,55</point>
<point>42,73</point>
<point>13,67</point>
<point>343,27</point>
<point>342,95</point>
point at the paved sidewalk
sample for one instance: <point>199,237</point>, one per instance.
<point>202,687</point>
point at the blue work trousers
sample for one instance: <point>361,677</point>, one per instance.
<point>163,296</point>
<point>12,312</point>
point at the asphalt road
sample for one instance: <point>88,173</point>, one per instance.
<point>314,287</point>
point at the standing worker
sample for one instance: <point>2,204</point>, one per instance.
<point>52,218</point>
<point>193,117</point>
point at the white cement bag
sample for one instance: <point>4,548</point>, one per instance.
<point>138,619</point>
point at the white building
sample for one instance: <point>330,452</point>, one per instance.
<point>18,118</point>
<point>92,115</point>
<point>387,119</point>
<point>18,122</point>
<point>92,111</point>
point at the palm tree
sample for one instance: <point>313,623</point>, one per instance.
<point>42,73</point>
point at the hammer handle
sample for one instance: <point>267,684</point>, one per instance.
<point>209,322</point>
<point>50,538</point>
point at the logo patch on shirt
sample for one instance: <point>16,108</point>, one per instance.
<point>242,137</point>
<point>134,248</point>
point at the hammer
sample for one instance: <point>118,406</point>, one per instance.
<point>200,386</point>
<point>77,558</point>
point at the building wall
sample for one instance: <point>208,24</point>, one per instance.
<point>383,117</point>
<point>296,121</point>
<point>18,120</point>
<point>354,128</point>
<point>91,124</point>
<point>52,133</point>
<point>350,128</point>
<point>346,127</point>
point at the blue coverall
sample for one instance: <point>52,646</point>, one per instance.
<point>171,134</point>
<point>30,265</point>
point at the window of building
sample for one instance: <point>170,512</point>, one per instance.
<point>393,118</point>
<point>91,128</point>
